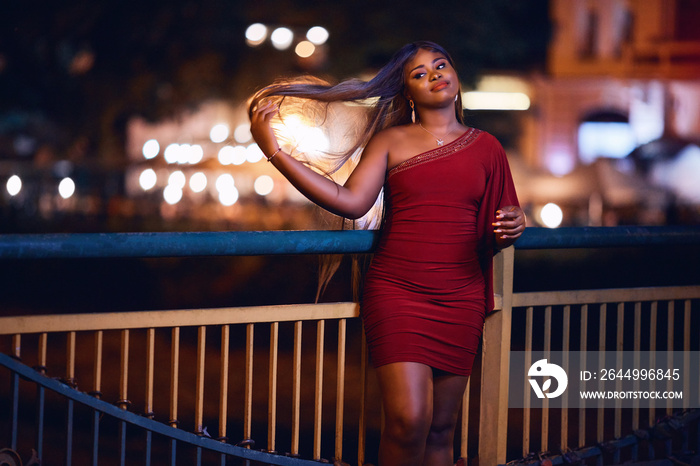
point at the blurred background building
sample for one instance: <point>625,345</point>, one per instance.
<point>132,117</point>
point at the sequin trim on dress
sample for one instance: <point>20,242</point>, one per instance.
<point>458,144</point>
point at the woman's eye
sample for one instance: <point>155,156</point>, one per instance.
<point>441,65</point>
<point>418,75</point>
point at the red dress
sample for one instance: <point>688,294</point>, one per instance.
<point>429,285</point>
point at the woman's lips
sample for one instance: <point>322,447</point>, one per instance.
<point>440,86</point>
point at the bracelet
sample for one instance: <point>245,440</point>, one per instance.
<point>269,159</point>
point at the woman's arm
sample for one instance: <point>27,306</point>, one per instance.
<point>510,224</point>
<point>354,198</point>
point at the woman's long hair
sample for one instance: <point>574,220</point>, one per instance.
<point>351,112</point>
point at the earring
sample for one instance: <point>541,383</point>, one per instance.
<point>456,97</point>
<point>413,111</point>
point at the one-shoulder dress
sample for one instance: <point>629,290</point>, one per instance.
<point>429,285</point>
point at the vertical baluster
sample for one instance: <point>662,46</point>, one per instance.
<point>619,346</point>
<point>199,391</point>
<point>669,351</point>
<point>16,352</point>
<point>526,392</point>
<point>601,363</point>
<point>296,388</point>
<point>272,393</point>
<point>636,364</point>
<point>318,393</point>
<point>565,364</point>
<point>150,369</point>
<point>652,356</point>
<point>362,423</point>
<point>70,380</point>
<point>123,393</point>
<point>223,389</point>
<point>582,365</point>
<point>174,386</point>
<point>686,354</point>
<point>41,368</point>
<point>97,393</point>
<point>545,402</point>
<point>248,411</point>
<point>340,390</point>
<point>464,441</point>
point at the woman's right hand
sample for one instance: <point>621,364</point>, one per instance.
<point>260,128</point>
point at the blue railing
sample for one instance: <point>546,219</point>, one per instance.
<point>193,244</point>
<point>250,243</point>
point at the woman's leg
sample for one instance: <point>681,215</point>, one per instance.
<point>407,396</point>
<point>448,390</point>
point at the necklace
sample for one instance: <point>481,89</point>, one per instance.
<point>440,140</point>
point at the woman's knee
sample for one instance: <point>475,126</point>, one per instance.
<point>441,433</point>
<point>408,426</point>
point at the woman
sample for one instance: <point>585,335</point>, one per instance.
<point>450,204</point>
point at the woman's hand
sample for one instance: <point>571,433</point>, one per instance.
<point>509,225</point>
<point>260,128</point>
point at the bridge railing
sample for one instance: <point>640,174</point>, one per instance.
<point>276,372</point>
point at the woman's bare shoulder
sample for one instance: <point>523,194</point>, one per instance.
<point>390,135</point>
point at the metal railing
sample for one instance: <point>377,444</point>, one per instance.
<point>248,392</point>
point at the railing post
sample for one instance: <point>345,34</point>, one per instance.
<point>493,418</point>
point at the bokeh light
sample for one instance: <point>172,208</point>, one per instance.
<point>148,179</point>
<point>66,188</point>
<point>226,155</point>
<point>255,34</point>
<point>242,133</point>
<point>14,185</point>
<point>305,49</point>
<point>282,38</point>
<point>172,153</point>
<point>172,194</point>
<point>253,153</point>
<point>551,215</point>
<point>177,179</point>
<point>219,132</point>
<point>317,35</point>
<point>238,156</point>
<point>263,185</point>
<point>198,182</point>
<point>150,148</point>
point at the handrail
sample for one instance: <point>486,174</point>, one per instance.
<point>144,422</point>
<point>251,243</point>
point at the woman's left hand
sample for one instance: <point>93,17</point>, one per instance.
<point>509,224</point>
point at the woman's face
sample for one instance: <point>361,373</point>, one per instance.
<point>430,78</point>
